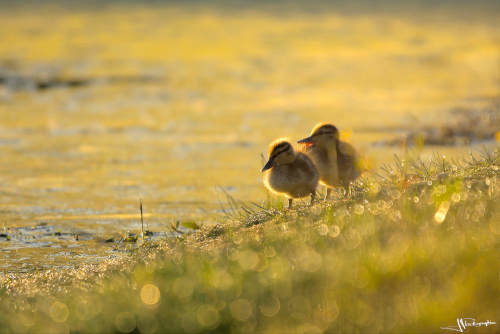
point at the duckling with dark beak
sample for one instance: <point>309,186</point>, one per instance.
<point>336,161</point>
<point>290,173</point>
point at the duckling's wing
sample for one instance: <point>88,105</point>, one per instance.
<point>348,163</point>
<point>304,163</point>
<point>347,149</point>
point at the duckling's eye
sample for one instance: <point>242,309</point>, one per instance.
<point>280,149</point>
<point>328,133</point>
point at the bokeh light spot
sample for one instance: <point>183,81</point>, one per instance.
<point>270,307</point>
<point>323,229</point>
<point>150,294</point>
<point>334,231</point>
<point>241,309</point>
<point>59,312</point>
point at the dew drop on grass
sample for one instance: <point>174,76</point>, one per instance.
<point>455,197</point>
<point>323,229</point>
<point>334,231</point>
<point>396,194</point>
<point>359,209</point>
<point>442,211</point>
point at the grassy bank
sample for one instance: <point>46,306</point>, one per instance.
<point>414,248</point>
<point>105,103</point>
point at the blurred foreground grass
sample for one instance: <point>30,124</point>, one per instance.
<point>105,103</point>
<point>415,248</point>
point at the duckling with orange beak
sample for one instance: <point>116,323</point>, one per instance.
<point>290,173</point>
<point>336,161</point>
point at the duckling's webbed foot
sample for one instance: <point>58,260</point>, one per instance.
<point>313,197</point>
<point>328,193</point>
<point>290,201</point>
<point>347,190</point>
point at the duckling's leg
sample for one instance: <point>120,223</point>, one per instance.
<point>290,200</point>
<point>347,189</point>
<point>328,193</point>
<point>313,196</point>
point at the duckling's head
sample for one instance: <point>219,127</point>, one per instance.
<point>323,134</point>
<point>281,152</point>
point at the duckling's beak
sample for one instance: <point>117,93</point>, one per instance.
<point>268,165</point>
<point>307,140</point>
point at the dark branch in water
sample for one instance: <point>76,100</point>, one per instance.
<point>17,82</point>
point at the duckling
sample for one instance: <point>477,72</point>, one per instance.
<point>290,173</point>
<point>336,161</point>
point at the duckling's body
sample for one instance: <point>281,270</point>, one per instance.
<point>290,173</point>
<point>336,161</point>
<point>297,179</point>
<point>348,164</point>
<point>326,161</point>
